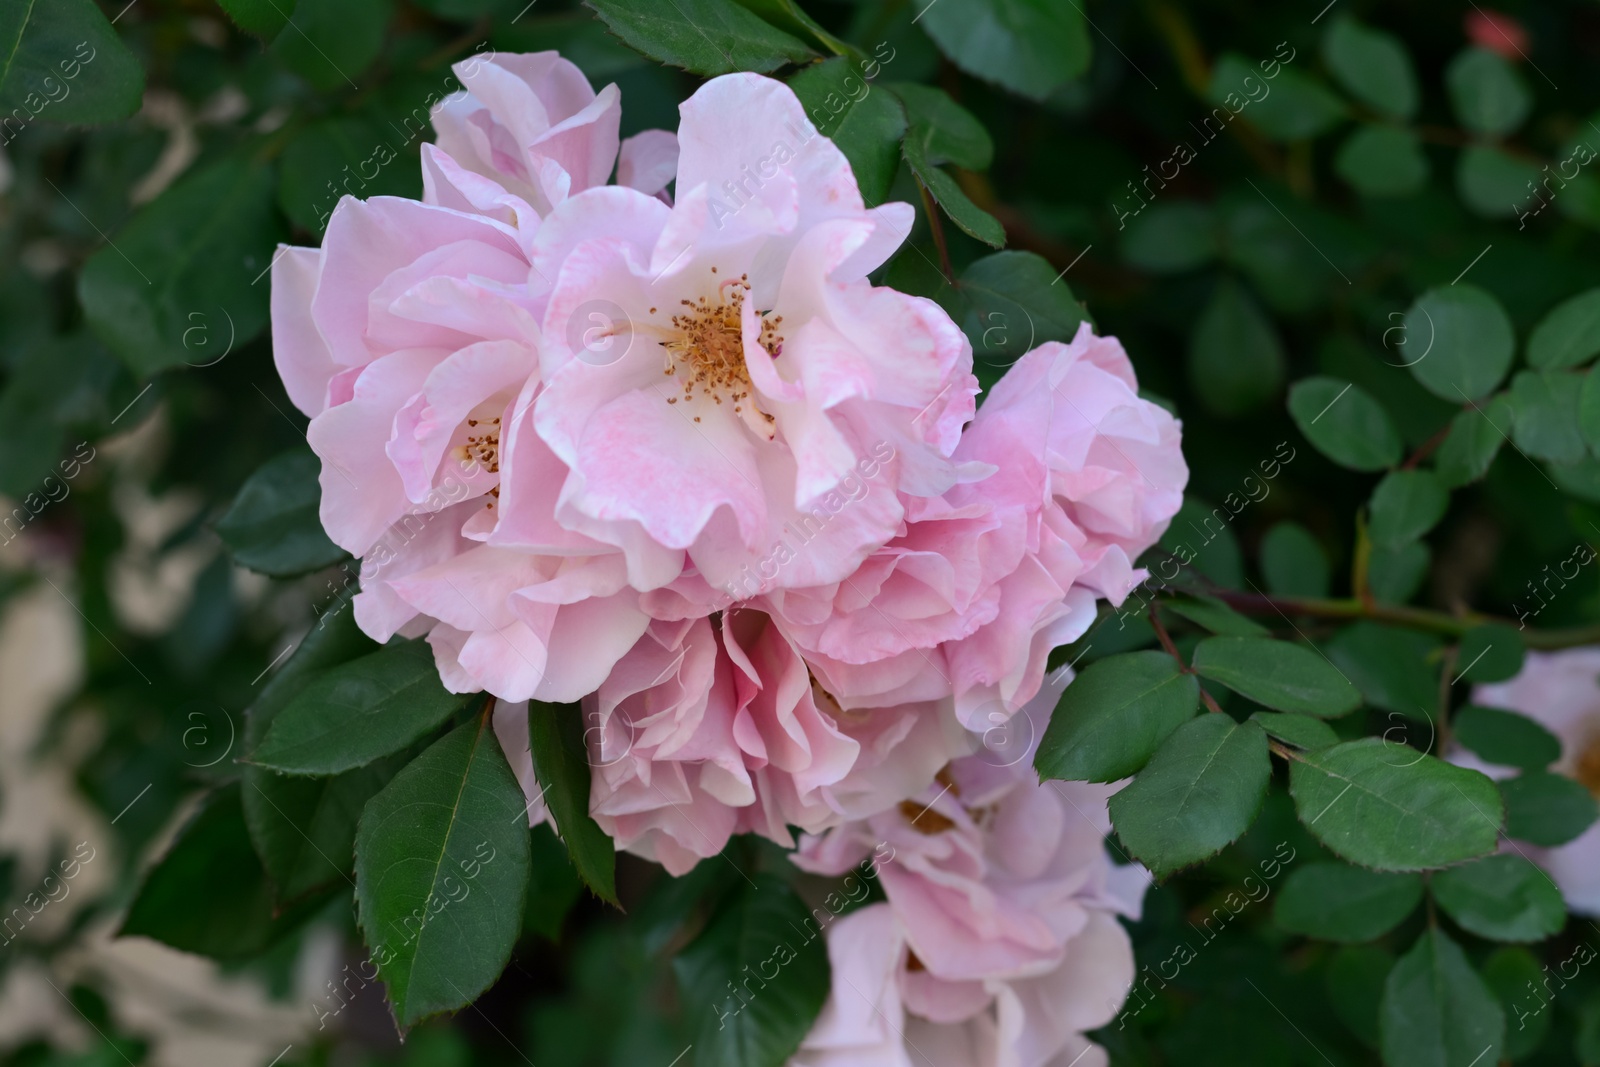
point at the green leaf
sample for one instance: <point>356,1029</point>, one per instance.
<point>330,44</point>
<point>865,122</point>
<point>1215,616</point>
<point>1493,182</point>
<point>1391,808</point>
<point>1016,303</point>
<point>760,930</point>
<point>1171,238</point>
<point>707,37</point>
<point>1569,333</point>
<point>441,873</point>
<point>1291,106</point>
<point>1488,94</point>
<point>1405,505</point>
<point>304,829</point>
<point>1114,716</point>
<point>1491,652</point>
<point>1506,738</point>
<point>233,918</point>
<point>264,18</point>
<point>971,218</point>
<point>1236,362</point>
<point>1356,975</point>
<point>950,133</point>
<point>60,385</point>
<point>1371,66</point>
<point>561,764</point>
<point>1382,161</point>
<point>1475,437</point>
<point>1509,972</point>
<point>272,526</point>
<point>63,62</point>
<point>1544,407</point>
<point>1293,562</point>
<point>1502,898</point>
<point>1344,423</point>
<point>354,713</point>
<point>1589,409</point>
<point>1301,731</point>
<point>1201,533</point>
<point>186,262</point>
<point>1395,574</point>
<point>1277,675</point>
<point>788,16</point>
<point>1198,793</point>
<point>1436,1011</point>
<point>1028,46</point>
<point>339,156</point>
<point>1338,902</point>
<point>1547,809</point>
<point>553,885</point>
<point>1466,341</point>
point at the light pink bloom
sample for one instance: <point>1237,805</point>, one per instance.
<point>999,943</point>
<point>717,369</point>
<point>1561,692</point>
<point>985,580</point>
<point>711,727</point>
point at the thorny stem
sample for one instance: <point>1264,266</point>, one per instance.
<point>1172,650</point>
<point>936,227</point>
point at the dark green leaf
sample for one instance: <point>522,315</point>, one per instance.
<point>1569,334</point>
<point>1277,674</point>
<point>1395,668</point>
<point>1291,106</point>
<point>1214,615</point>
<point>1463,341</point>
<point>354,713</point>
<point>865,122</point>
<point>233,918</point>
<point>1395,574</point>
<point>1544,407</point>
<point>972,219</point>
<point>1114,715</point>
<point>1171,238</point>
<point>561,764</point>
<point>61,384</point>
<point>1293,562</point>
<point>1015,304</point>
<point>1198,793</point>
<point>332,44</point>
<point>1382,161</point>
<point>1301,731</point>
<point>264,18</point>
<point>1547,809</point>
<point>1488,94</point>
<point>1492,652</point>
<point>1389,807</point>
<point>1405,505</point>
<point>553,886</point>
<point>1371,66</point>
<point>272,526</point>
<point>1502,898</point>
<point>1356,975</point>
<point>707,37</point>
<point>1494,183</point>
<point>1344,423</point>
<point>1200,536</point>
<point>1475,437</point>
<point>950,133</point>
<point>1506,738</point>
<point>1027,46</point>
<point>1338,902</point>
<point>180,274</point>
<point>342,156</point>
<point>1436,1010</point>
<point>63,62</point>
<point>763,928</point>
<point>1236,362</point>
<point>1589,410</point>
<point>789,17</point>
<point>1512,973</point>
<point>441,873</point>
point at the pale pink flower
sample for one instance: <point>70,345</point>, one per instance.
<point>714,726</point>
<point>1561,692</point>
<point>999,943</point>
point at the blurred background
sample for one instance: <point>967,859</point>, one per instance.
<point>1234,250</point>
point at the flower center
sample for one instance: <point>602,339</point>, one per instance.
<point>483,447</point>
<point>1587,768</point>
<point>706,352</point>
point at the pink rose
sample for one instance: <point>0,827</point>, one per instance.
<point>1561,692</point>
<point>998,943</point>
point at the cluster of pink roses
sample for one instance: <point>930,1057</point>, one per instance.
<point>675,457</point>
